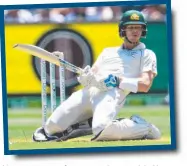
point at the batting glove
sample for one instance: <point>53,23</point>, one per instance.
<point>105,84</point>
<point>86,77</point>
<point>111,82</point>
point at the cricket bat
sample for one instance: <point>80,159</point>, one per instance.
<point>47,56</point>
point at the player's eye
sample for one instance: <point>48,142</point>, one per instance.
<point>134,28</point>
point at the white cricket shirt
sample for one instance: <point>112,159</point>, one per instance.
<point>123,62</point>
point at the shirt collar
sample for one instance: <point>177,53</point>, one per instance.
<point>140,46</point>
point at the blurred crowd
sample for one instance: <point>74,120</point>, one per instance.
<point>88,14</point>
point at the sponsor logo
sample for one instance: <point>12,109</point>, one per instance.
<point>135,17</point>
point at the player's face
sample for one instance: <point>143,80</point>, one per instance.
<point>134,32</point>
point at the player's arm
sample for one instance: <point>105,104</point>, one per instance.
<point>140,84</point>
<point>88,74</point>
<point>149,71</point>
<point>98,63</point>
<point>145,81</point>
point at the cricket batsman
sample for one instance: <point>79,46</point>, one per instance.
<point>118,71</point>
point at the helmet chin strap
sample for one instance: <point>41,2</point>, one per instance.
<point>134,43</point>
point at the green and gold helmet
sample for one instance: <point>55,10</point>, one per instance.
<point>132,17</point>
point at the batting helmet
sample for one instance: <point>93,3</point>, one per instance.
<point>132,17</point>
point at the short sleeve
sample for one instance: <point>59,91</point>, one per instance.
<point>149,62</point>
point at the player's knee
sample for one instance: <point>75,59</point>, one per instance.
<point>98,127</point>
<point>108,133</point>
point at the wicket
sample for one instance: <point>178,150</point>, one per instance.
<point>52,87</point>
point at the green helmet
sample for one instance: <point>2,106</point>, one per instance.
<point>132,17</point>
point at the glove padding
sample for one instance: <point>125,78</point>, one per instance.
<point>86,77</point>
<point>111,81</point>
<point>107,83</point>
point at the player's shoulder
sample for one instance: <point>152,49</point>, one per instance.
<point>111,49</point>
<point>149,53</point>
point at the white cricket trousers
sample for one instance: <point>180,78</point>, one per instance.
<point>80,106</point>
<point>104,108</point>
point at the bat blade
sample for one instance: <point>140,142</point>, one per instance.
<point>45,55</point>
<point>38,52</point>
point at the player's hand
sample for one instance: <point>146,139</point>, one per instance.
<point>107,83</point>
<point>111,81</point>
<point>86,77</point>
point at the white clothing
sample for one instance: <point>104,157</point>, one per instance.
<point>126,129</point>
<point>103,106</point>
<point>123,62</point>
<point>80,106</point>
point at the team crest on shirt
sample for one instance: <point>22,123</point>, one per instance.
<point>135,17</point>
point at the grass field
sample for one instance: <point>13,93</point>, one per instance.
<point>22,123</point>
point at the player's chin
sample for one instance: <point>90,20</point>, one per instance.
<point>135,39</point>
